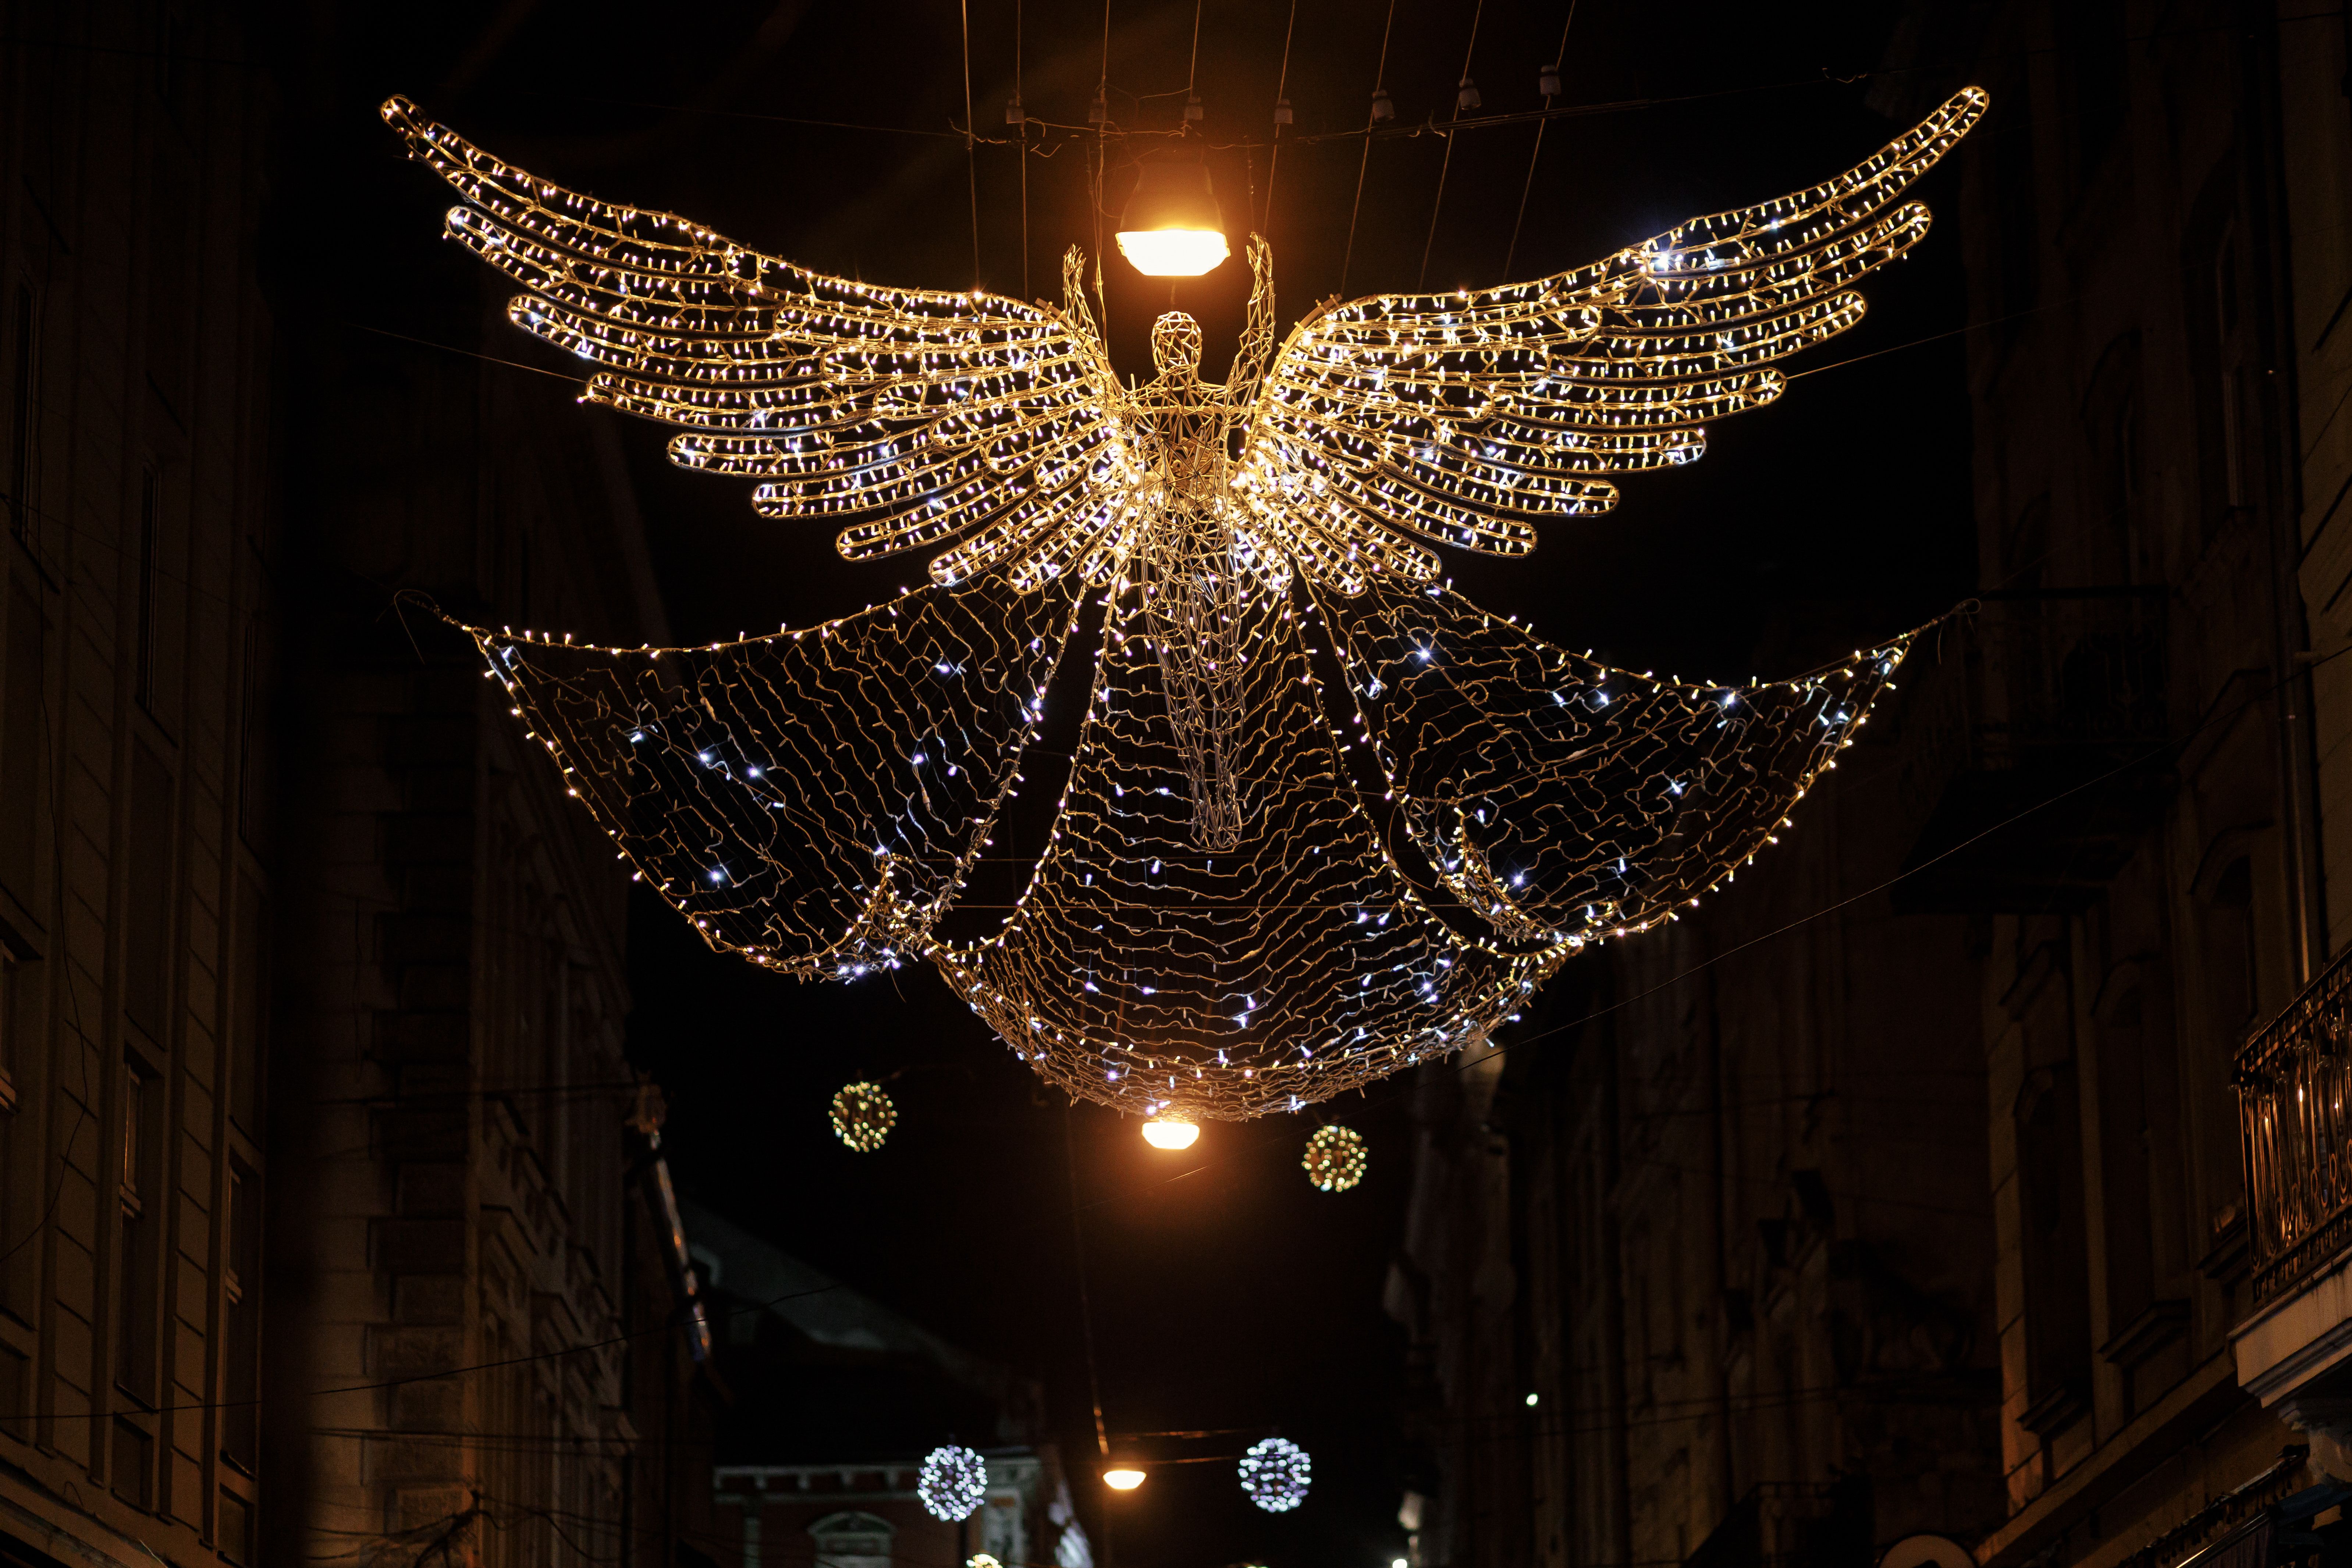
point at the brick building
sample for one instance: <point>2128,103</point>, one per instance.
<point>838,1399</point>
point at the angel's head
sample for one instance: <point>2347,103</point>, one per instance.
<point>1176,344</point>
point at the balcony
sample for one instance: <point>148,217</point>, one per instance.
<point>2029,723</point>
<point>2293,1347</point>
<point>2292,1081</point>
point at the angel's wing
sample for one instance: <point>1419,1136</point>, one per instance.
<point>914,417</point>
<point>1466,417</point>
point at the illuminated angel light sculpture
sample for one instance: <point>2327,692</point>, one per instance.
<point>1320,817</point>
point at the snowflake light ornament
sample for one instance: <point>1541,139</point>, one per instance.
<point>952,1483</point>
<point>1276,1473</point>
<point>1323,819</point>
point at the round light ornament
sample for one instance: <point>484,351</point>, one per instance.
<point>1275,1474</point>
<point>863,1116</point>
<point>1335,1158</point>
<point>953,1482</point>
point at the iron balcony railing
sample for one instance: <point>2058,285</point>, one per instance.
<point>2294,1079</point>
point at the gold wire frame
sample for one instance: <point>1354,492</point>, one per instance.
<point>1321,818</point>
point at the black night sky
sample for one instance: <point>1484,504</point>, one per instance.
<point>1226,1293</point>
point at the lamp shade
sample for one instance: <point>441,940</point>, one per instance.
<point>1172,226</point>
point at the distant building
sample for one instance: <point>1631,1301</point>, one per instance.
<point>838,1399</point>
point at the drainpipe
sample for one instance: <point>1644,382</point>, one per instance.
<point>2307,938</point>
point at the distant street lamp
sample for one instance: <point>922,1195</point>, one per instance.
<point>1123,1480</point>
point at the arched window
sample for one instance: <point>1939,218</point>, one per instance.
<point>852,1539</point>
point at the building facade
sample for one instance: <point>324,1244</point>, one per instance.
<point>1999,1213</point>
<point>333,1222</point>
<point>837,1401</point>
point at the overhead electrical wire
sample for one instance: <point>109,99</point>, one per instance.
<point>1446,163</point>
<point>1560,61</point>
<point>1372,115</point>
<point>1281,101</point>
<point>970,141</point>
<point>1022,153</point>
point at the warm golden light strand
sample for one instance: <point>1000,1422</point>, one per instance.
<point>1323,819</point>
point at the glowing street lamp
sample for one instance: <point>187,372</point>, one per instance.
<point>1168,1132</point>
<point>1172,226</point>
<point>1123,1480</point>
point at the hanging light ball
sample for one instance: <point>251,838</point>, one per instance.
<point>1172,226</point>
<point>863,1116</point>
<point>1276,1473</point>
<point>1336,1158</point>
<point>1169,1132</point>
<point>953,1483</point>
<point>1383,106</point>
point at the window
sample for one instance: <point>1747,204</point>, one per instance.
<point>23,741</point>
<point>855,1540</point>
<point>2230,949</point>
<point>241,1287</point>
<point>137,1182</point>
<point>22,1174</point>
<point>2054,1256</point>
<point>2017,231</point>
<point>249,1020</point>
<point>22,423</point>
<point>2093,54</point>
<point>150,501</point>
<point>8,1091</point>
<point>147,918</point>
